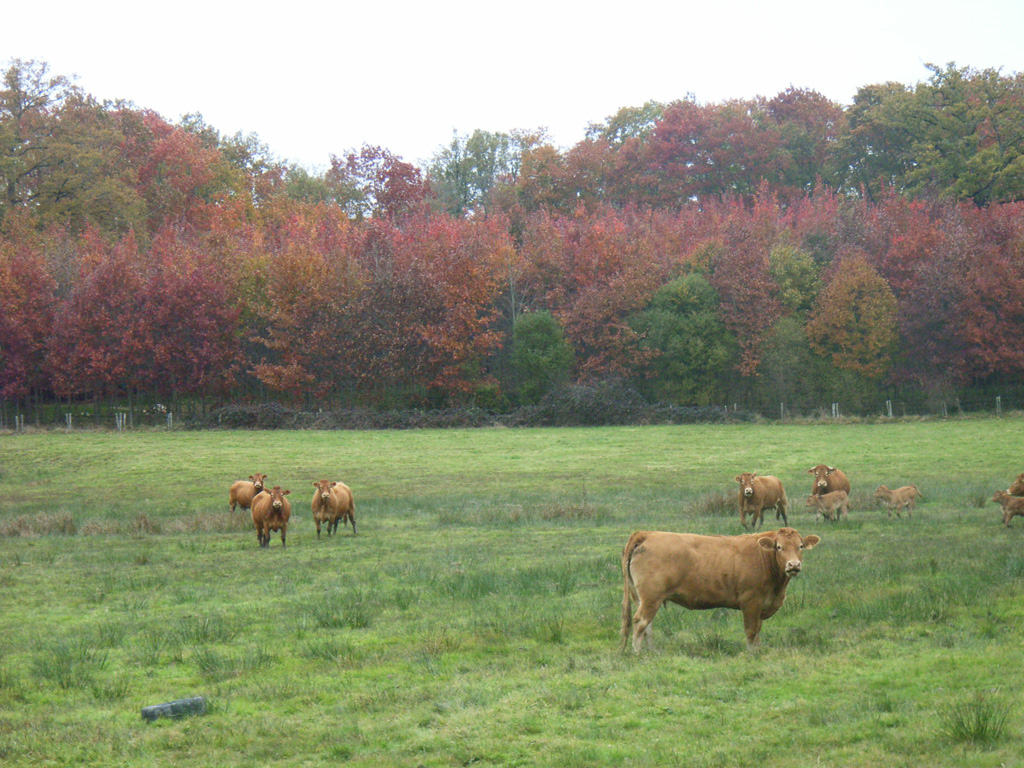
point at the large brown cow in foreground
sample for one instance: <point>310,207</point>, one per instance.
<point>831,505</point>
<point>244,491</point>
<point>1012,505</point>
<point>270,512</point>
<point>901,498</point>
<point>748,573</point>
<point>1017,487</point>
<point>332,502</point>
<point>758,493</point>
<point>828,479</point>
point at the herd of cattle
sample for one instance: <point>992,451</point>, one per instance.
<point>748,573</point>
<point>332,503</point>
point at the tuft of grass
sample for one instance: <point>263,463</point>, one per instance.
<point>980,719</point>
<point>713,505</point>
<point>69,664</point>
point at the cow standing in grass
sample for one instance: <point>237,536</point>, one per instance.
<point>332,502</point>
<point>901,498</point>
<point>1011,505</point>
<point>242,492</point>
<point>758,493</point>
<point>747,573</point>
<point>828,479</point>
<point>270,512</point>
<point>831,505</point>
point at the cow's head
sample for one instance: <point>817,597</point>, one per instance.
<point>746,481</point>
<point>999,497</point>
<point>1017,489</point>
<point>277,497</point>
<point>821,472</point>
<point>881,492</point>
<point>812,501</point>
<point>258,481</point>
<point>788,548</point>
<point>324,489</point>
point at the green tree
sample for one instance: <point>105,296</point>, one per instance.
<point>541,357</point>
<point>695,352</point>
<point>465,173</point>
<point>796,274</point>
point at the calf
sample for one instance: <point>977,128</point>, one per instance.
<point>270,512</point>
<point>1012,505</point>
<point>332,502</point>
<point>758,493</point>
<point>828,479</point>
<point>905,497</point>
<point>748,573</point>
<point>1017,488</point>
<point>244,491</point>
<point>831,505</point>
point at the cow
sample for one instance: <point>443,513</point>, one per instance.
<point>270,512</point>
<point>244,491</point>
<point>758,493</point>
<point>748,573</point>
<point>905,497</point>
<point>332,502</point>
<point>1017,487</point>
<point>831,505</point>
<point>828,479</point>
<point>1012,505</point>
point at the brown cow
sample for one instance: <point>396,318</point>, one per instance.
<point>1017,488</point>
<point>828,479</point>
<point>1012,505</point>
<point>748,573</point>
<point>332,502</point>
<point>244,491</point>
<point>905,497</point>
<point>270,512</point>
<point>831,505</point>
<point>758,493</point>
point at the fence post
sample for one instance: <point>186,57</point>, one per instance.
<point>67,421</point>
<point>170,420</point>
<point>888,406</point>
<point>999,404</point>
<point>782,411</point>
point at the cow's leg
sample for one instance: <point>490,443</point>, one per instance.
<point>781,510</point>
<point>284,530</point>
<point>752,624</point>
<point>743,518</point>
<point>317,521</point>
<point>352,519</point>
<point>642,625</point>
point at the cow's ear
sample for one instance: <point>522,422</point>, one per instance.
<point>811,541</point>
<point>810,471</point>
<point>738,479</point>
<point>766,542</point>
<point>830,470</point>
<point>285,493</point>
<point>334,484</point>
<point>315,484</point>
<point>252,478</point>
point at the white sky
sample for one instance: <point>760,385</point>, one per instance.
<point>313,79</point>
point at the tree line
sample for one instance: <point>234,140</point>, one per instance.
<point>765,251</point>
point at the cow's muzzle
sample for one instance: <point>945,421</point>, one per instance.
<point>748,491</point>
<point>793,569</point>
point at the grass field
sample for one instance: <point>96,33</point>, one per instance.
<point>474,620</point>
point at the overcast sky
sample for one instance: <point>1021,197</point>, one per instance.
<point>313,79</point>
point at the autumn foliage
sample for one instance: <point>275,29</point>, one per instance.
<point>759,250</point>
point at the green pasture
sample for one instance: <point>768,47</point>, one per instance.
<point>474,620</point>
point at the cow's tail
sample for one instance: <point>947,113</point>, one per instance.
<point>627,582</point>
<point>918,492</point>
